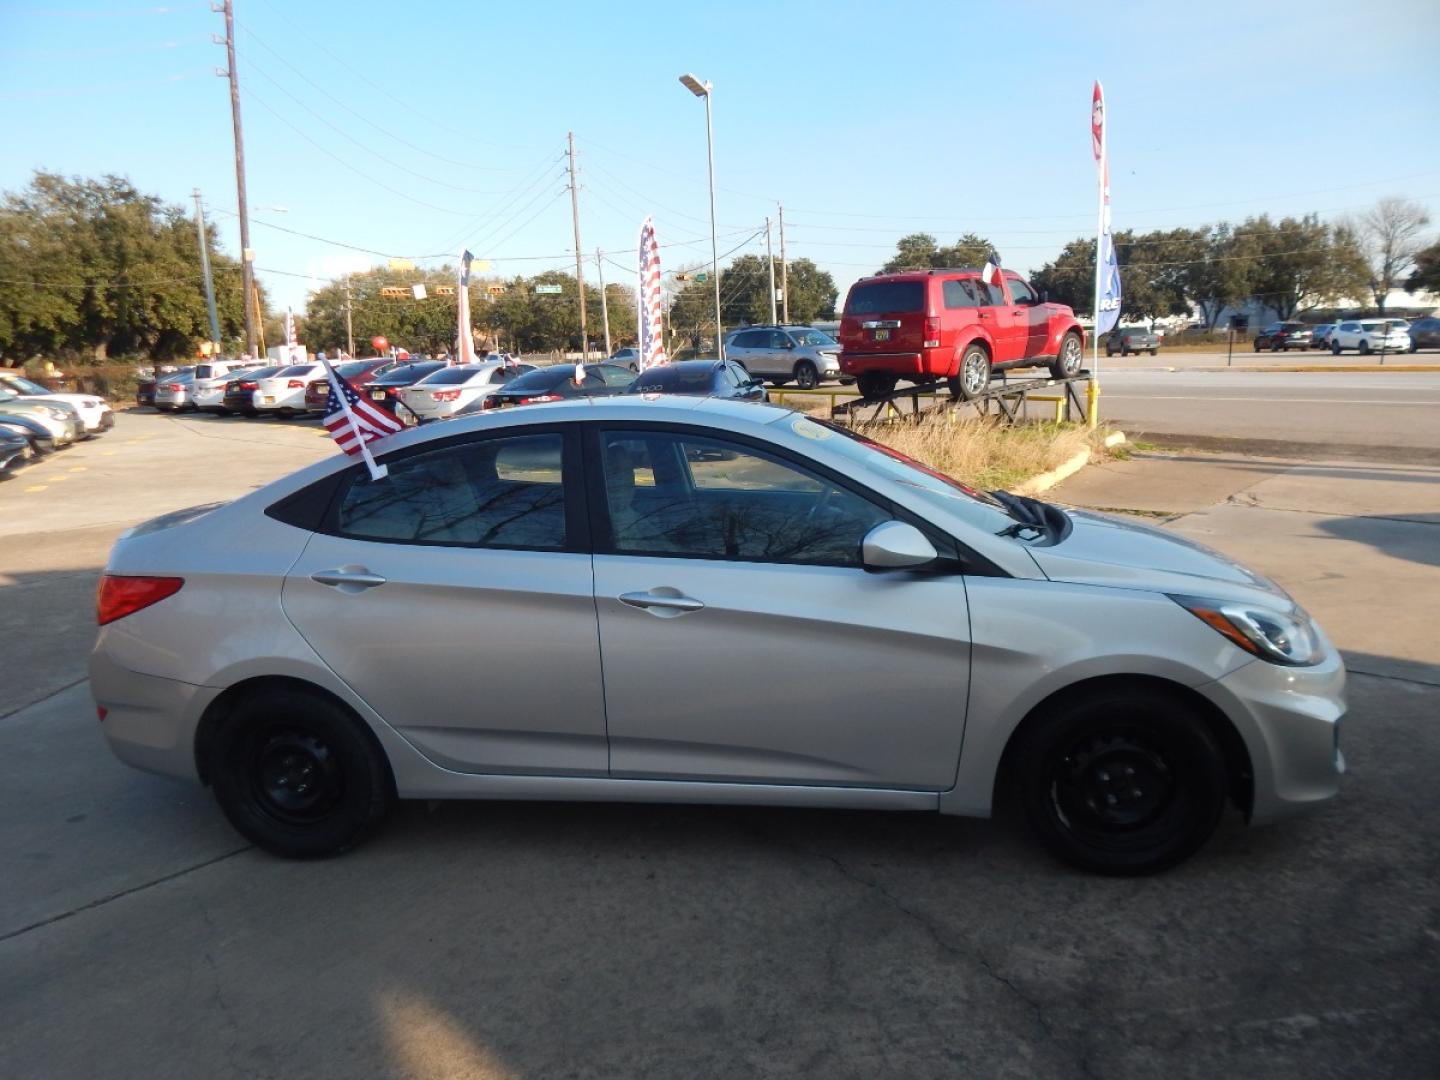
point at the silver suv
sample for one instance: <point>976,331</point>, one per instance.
<point>779,354</point>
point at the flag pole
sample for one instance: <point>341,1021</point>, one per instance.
<point>377,471</point>
<point>1092,390</point>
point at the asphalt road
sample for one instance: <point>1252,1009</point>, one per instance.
<point>139,937</point>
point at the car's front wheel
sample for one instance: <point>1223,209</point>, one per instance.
<point>1364,347</point>
<point>806,377</point>
<point>1121,780</point>
<point>296,775</point>
<point>1334,348</point>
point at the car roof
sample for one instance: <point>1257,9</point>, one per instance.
<point>682,365</point>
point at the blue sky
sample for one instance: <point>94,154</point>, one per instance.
<point>414,129</point>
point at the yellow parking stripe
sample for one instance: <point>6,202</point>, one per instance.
<point>79,468</point>
<point>35,487</point>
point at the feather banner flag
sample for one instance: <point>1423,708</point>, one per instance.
<point>650,317</point>
<point>1107,267</point>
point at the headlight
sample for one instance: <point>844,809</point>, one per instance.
<point>1271,635</point>
<point>54,413</point>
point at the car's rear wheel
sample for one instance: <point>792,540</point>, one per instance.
<point>1069,358</point>
<point>875,384</point>
<point>1334,348</point>
<point>806,377</point>
<point>296,775</point>
<point>1414,346</point>
<point>974,374</point>
<point>1154,352</point>
<point>1122,780</point>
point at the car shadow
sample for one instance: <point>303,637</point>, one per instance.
<point>1394,536</point>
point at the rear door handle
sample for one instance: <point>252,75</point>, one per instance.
<point>357,577</point>
<point>675,602</point>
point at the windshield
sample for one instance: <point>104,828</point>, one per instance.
<point>352,368</point>
<point>294,369</point>
<point>813,337</point>
<point>24,385</point>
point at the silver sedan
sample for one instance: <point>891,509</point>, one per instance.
<point>692,600</point>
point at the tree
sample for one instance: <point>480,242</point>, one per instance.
<point>1218,273</point>
<point>919,251</point>
<point>1070,278</point>
<point>1301,263</point>
<point>427,325</point>
<point>1389,237</point>
<point>96,267</point>
<point>745,291</point>
<point>1426,275</point>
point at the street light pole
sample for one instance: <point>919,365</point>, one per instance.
<point>209,282</point>
<point>704,90</point>
<point>770,265</point>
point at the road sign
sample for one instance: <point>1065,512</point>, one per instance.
<point>702,276</point>
<point>548,290</point>
<point>394,290</point>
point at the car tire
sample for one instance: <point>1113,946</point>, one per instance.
<point>1069,359</point>
<point>1154,352</point>
<point>1414,346</point>
<point>1109,351</point>
<point>973,378</point>
<point>806,376</point>
<point>876,384</point>
<point>779,382</point>
<point>1334,348</point>
<point>1123,780</point>
<point>1277,347</point>
<point>1364,347</point>
<point>296,774</point>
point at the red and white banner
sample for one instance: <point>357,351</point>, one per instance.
<point>465,343</point>
<point>1107,266</point>
<point>292,344</point>
<point>650,316</point>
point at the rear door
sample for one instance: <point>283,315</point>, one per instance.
<point>885,316</point>
<point>455,597</point>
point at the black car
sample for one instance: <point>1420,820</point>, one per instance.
<point>14,449</point>
<point>42,441</point>
<point>386,389</point>
<point>1425,333</point>
<point>554,384</point>
<point>1283,336</point>
<point>700,378</point>
<point>240,391</point>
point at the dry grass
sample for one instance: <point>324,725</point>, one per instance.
<point>985,454</point>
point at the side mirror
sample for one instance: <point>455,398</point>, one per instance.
<point>894,545</point>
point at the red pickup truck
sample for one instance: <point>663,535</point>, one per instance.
<point>921,325</point>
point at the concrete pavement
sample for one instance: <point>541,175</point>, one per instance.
<point>140,938</point>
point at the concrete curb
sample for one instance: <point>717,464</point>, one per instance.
<point>1046,480</point>
<point>1399,369</point>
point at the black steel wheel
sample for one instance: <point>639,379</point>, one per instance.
<point>296,774</point>
<point>806,377</point>
<point>874,384</point>
<point>1127,780</point>
<point>1069,358</point>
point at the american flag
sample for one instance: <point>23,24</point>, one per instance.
<point>652,343</point>
<point>352,428</point>
<point>466,342</point>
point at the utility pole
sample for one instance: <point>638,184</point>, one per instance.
<point>770,265</point>
<point>349,320</point>
<point>604,302</point>
<point>579,261</point>
<point>784,277</point>
<point>209,282</point>
<point>247,254</point>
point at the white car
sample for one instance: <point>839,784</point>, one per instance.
<point>445,392</point>
<point>284,392</point>
<point>95,412</point>
<point>207,390</point>
<point>1370,335</point>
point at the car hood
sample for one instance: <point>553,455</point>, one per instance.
<point>1103,550</point>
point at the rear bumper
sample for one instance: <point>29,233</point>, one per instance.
<point>150,722</point>
<point>107,420</point>
<point>927,362</point>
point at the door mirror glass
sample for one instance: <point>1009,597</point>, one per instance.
<point>895,545</point>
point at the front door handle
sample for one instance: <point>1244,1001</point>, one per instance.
<point>355,577</point>
<point>669,600</point>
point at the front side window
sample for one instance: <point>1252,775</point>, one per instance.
<point>696,496</point>
<point>504,493</point>
<point>777,339</point>
<point>1020,292</point>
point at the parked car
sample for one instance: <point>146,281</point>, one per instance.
<point>41,438</point>
<point>1130,681</point>
<point>701,378</point>
<point>208,382</point>
<point>445,392</point>
<point>354,372</point>
<point>628,357</point>
<point>780,354</point>
<point>1283,336</point>
<point>386,389</point>
<point>173,393</point>
<point>60,420</point>
<point>95,412</point>
<point>1320,336</point>
<point>1128,339</point>
<point>15,449</point>
<point>239,396</point>
<point>555,383</point>
<point>1425,334</point>
<point>283,394</point>
<point>1367,336</point>
<point>145,385</point>
<point>948,324</point>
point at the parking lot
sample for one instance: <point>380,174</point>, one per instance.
<point>536,940</point>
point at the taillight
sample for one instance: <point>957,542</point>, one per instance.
<point>446,395</point>
<point>932,331</point>
<point>119,596</point>
<point>101,712</point>
<point>295,384</point>
<point>539,398</point>
<point>249,386</point>
<point>490,402</point>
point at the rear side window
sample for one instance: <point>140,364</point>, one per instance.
<point>748,340</point>
<point>962,293</point>
<point>885,297</point>
<point>203,371</point>
<point>502,493</point>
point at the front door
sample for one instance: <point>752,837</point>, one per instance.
<point>1030,313</point>
<point>742,640</point>
<point>1009,323</point>
<point>454,596</point>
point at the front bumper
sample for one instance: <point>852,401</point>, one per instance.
<point>1289,718</point>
